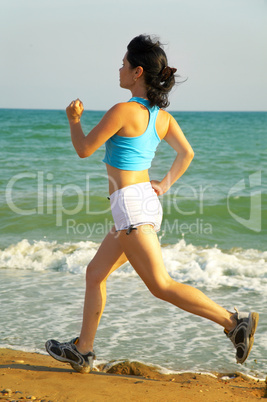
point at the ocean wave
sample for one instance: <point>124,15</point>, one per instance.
<point>210,267</point>
<point>43,255</point>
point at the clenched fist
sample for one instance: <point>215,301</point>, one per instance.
<point>74,111</point>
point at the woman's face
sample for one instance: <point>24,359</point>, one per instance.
<point>126,74</point>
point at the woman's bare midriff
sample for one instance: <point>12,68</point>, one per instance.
<point>118,178</point>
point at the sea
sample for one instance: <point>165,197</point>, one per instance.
<point>55,213</point>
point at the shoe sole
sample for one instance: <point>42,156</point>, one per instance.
<point>82,369</point>
<point>254,324</point>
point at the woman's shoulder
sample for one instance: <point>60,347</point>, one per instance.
<point>164,115</point>
<point>163,123</point>
<point>121,107</point>
<point>131,110</point>
<point>127,109</point>
<point>117,110</point>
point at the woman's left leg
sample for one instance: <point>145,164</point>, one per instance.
<point>143,251</point>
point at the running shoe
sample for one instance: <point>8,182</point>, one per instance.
<point>68,353</point>
<point>242,335</point>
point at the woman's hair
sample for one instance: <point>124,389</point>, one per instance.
<point>159,78</point>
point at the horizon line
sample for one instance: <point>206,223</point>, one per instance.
<point>171,111</point>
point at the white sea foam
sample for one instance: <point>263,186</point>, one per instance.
<point>213,267</point>
<point>42,255</point>
<point>210,267</point>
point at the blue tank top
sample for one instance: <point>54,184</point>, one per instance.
<point>134,153</point>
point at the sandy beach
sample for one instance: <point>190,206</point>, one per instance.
<point>30,376</point>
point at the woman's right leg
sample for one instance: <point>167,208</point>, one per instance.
<point>108,258</point>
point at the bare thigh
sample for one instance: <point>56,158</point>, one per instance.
<point>108,258</point>
<point>143,251</point>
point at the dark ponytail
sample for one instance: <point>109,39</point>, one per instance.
<point>159,78</point>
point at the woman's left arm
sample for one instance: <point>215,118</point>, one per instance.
<point>176,139</point>
<point>86,145</point>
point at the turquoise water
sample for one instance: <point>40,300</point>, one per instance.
<point>54,214</point>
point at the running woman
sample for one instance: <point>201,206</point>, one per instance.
<point>131,132</point>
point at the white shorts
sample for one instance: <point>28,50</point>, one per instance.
<point>136,205</point>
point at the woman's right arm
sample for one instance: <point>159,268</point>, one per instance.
<point>86,145</point>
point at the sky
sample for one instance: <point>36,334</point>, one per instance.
<point>53,51</point>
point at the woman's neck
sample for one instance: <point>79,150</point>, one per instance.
<point>138,91</point>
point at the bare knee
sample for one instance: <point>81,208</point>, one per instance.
<point>93,277</point>
<point>161,289</point>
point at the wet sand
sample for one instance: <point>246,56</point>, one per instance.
<point>31,376</point>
